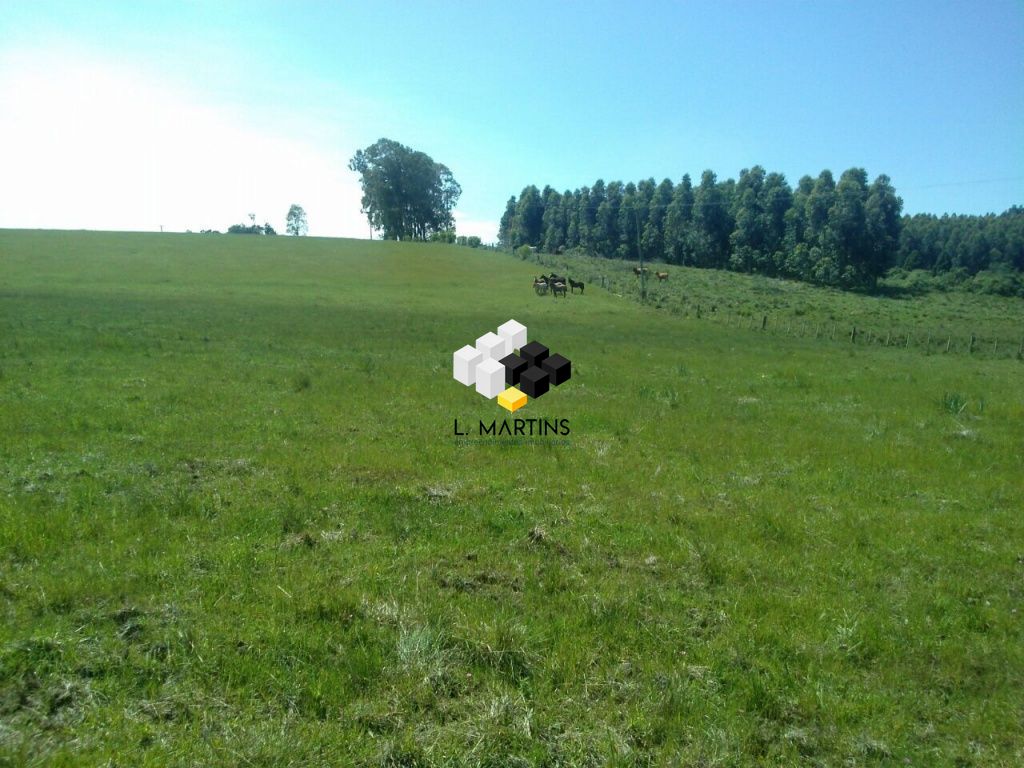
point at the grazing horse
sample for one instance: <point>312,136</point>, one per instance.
<point>573,285</point>
<point>661,276</point>
<point>640,271</point>
<point>540,285</point>
<point>558,288</point>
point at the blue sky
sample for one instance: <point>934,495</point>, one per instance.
<point>191,115</point>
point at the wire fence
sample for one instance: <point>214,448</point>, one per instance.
<point>983,344</point>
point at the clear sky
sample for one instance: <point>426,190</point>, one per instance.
<point>124,115</point>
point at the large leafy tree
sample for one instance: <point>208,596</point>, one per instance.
<point>882,213</point>
<point>528,224</point>
<point>406,195</point>
<point>571,215</point>
<point>653,235</point>
<point>713,221</point>
<point>507,220</point>
<point>679,223</point>
<point>553,221</point>
<point>295,223</point>
<point>796,249</point>
<point>606,227</point>
<point>631,213</point>
<point>776,200</point>
<point>746,242</point>
<point>846,234</point>
<point>588,205</point>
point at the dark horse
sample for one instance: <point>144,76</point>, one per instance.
<point>573,285</point>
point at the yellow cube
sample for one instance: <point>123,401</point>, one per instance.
<point>512,399</point>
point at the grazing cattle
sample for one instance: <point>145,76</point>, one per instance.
<point>573,285</point>
<point>558,288</point>
<point>640,271</point>
<point>661,276</point>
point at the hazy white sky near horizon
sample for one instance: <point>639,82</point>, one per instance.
<point>91,144</point>
<point>190,115</point>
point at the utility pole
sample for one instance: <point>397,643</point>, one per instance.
<point>640,253</point>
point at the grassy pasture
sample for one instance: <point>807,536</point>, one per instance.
<point>235,527</point>
<point>933,323</point>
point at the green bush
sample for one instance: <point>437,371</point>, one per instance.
<point>997,282</point>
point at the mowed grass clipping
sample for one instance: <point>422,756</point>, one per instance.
<point>236,527</point>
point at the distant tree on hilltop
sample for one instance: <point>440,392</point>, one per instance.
<point>296,221</point>
<point>406,195</point>
<point>252,228</point>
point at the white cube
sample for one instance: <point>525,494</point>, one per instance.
<point>514,334</point>
<point>490,378</point>
<point>492,345</point>
<point>464,363</point>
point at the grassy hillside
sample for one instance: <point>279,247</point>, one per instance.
<point>932,323</point>
<point>236,528</point>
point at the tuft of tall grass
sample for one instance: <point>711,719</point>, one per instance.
<point>954,403</point>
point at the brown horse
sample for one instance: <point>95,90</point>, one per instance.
<point>661,276</point>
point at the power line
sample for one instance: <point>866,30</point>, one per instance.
<point>966,183</point>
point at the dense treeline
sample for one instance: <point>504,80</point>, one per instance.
<point>846,233</point>
<point>967,244</point>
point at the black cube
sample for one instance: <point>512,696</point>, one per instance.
<point>534,381</point>
<point>558,368</point>
<point>534,353</point>
<point>514,367</point>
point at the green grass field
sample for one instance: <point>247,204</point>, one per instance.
<point>933,323</point>
<point>236,528</point>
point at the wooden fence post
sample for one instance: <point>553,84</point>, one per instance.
<point>908,340</point>
<point>970,348</point>
<point>887,335</point>
<point>949,340</point>
<point>764,323</point>
<point>853,335</point>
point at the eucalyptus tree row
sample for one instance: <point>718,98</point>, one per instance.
<point>966,244</point>
<point>844,233</point>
